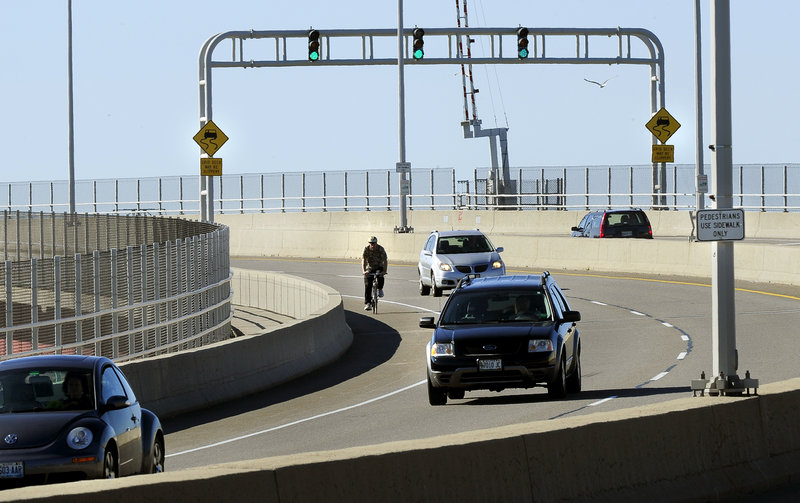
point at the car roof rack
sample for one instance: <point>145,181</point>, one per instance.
<point>545,275</point>
<point>467,279</point>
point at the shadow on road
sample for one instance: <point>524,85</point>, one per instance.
<point>374,343</point>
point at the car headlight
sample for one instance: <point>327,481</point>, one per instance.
<point>79,438</point>
<point>540,346</point>
<point>442,349</point>
<point>445,267</point>
<point>497,264</point>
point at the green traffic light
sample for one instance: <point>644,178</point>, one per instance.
<point>523,53</point>
<point>418,43</point>
<point>313,45</point>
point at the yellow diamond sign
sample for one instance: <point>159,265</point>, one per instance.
<point>662,125</point>
<point>210,138</point>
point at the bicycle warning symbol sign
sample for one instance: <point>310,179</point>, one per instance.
<point>662,125</point>
<point>210,138</point>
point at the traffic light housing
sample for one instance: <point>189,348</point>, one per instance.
<point>522,42</point>
<point>418,43</point>
<point>313,45</point>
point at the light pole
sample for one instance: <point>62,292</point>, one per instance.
<point>71,132</point>
<point>699,195</point>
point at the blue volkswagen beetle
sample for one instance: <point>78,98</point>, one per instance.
<point>72,417</point>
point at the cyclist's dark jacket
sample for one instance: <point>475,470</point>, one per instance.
<point>375,259</point>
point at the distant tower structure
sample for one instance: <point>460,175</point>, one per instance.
<point>499,180</point>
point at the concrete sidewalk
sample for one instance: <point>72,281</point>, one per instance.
<point>254,321</point>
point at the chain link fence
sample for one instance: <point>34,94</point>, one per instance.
<point>118,286</point>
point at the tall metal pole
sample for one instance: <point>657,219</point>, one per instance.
<point>722,302</point>
<point>70,128</point>
<point>698,87</point>
<point>401,114</point>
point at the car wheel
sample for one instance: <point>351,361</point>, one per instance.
<point>574,379</point>
<point>423,289</point>
<point>557,388</point>
<point>436,396</point>
<point>158,456</point>
<point>109,465</point>
<point>455,394</point>
<point>437,292</point>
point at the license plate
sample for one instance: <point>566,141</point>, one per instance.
<point>493,364</point>
<point>11,470</point>
<point>627,234</point>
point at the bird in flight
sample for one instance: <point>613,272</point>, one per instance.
<point>598,83</point>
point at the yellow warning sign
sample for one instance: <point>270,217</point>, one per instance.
<point>210,138</point>
<point>210,166</point>
<point>663,153</point>
<point>662,125</point>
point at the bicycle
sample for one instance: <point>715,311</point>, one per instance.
<point>374,276</point>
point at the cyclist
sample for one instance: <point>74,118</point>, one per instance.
<point>373,260</point>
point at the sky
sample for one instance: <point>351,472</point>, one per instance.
<point>136,105</point>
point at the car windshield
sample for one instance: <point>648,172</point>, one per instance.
<point>493,307</point>
<point>463,244</point>
<point>42,390</point>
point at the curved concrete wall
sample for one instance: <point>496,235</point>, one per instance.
<point>537,239</point>
<point>193,379</point>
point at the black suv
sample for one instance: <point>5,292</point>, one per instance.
<point>614,224</point>
<point>503,332</point>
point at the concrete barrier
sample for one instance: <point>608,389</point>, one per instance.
<point>535,239</point>
<point>689,449</point>
<point>197,378</point>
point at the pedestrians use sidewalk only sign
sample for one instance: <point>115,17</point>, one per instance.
<point>720,225</point>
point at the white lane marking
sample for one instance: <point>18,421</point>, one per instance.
<point>599,303</point>
<point>666,324</point>
<point>637,313</point>
<point>659,376</point>
<point>420,308</point>
<point>275,428</point>
<point>604,400</point>
<point>685,337</point>
<point>682,355</point>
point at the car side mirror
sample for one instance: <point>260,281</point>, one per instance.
<point>571,316</point>
<point>117,402</point>
<point>426,322</point>
<point>499,249</point>
<point>427,252</point>
<point>576,229</point>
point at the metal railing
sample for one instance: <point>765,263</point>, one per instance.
<point>756,188</point>
<point>122,287</point>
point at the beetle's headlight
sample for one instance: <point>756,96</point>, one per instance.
<point>445,267</point>
<point>79,438</point>
<point>540,346</point>
<point>442,349</point>
<point>497,264</point>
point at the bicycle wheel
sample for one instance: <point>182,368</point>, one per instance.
<point>374,298</point>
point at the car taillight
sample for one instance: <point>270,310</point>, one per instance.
<point>603,225</point>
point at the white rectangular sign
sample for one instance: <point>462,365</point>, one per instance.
<point>720,225</point>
